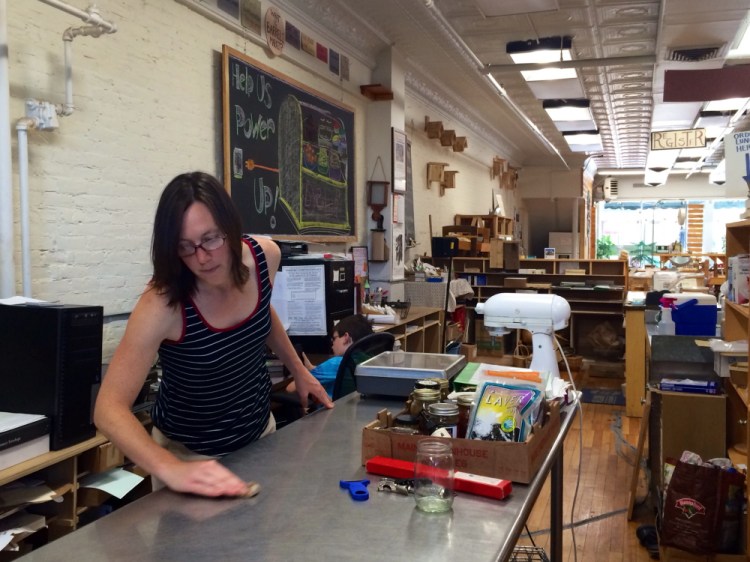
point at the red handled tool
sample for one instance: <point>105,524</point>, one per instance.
<point>463,481</point>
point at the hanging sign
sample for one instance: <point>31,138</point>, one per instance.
<point>671,140</point>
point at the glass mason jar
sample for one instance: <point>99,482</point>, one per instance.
<point>421,398</point>
<point>433,475</point>
<point>443,415</point>
<point>465,404</point>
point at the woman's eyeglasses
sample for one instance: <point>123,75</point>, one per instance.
<point>186,249</point>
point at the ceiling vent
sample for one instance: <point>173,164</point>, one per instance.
<point>695,54</point>
<point>642,185</point>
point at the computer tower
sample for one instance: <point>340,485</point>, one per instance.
<point>338,279</point>
<point>50,364</point>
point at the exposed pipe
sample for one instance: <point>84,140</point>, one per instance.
<point>43,117</point>
<point>7,267</point>
<point>478,66</point>
<point>68,35</point>
<point>22,126</point>
<point>89,15</point>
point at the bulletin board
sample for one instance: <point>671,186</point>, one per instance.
<point>288,154</point>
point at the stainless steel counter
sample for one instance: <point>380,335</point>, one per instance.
<point>302,514</point>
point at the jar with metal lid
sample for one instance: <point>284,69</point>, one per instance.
<point>432,384</point>
<point>445,387</point>
<point>465,403</point>
<point>407,421</point>
<point>442,415</point>
<point>421,398</point>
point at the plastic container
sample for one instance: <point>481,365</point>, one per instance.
<point>694,314</point>
<point>666,326</point>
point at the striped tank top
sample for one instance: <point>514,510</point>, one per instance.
<point>215,390</point>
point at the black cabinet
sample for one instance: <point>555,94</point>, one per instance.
<point>338,290</point>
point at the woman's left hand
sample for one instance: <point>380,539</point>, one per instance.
<point>308,386</point>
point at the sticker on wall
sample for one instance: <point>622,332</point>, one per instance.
<point>344,67</point>
<point>308,44</point>
<point>250,15</point>
<point>333,62</point>
<point>321,51</point>
<point>275,30</point>
<point>397,252</point>
<point>292,35</point>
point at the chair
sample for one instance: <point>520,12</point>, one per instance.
<point>346,383</point>
<point>360,351</point>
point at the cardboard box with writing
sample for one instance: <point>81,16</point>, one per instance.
<point>518,462</point>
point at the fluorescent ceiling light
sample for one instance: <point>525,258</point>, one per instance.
<point>658,160</point>
<point>575,125</point>
<point>742,50</point>
<point>731,104</point>
<point>568,110</point>
<point>549,74</point>
<point>544,89</point>
<point>719,174</point>
<point>494,8</point>
<point>545,50</point>
<point>583,141</point>
<point>655,178</point>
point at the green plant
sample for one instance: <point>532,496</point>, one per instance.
<point>642,254</point>
<point>605,248</point>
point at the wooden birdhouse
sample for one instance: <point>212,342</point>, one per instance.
<point>449,181</point>
<point>460,144</point>
<point>448,137</point>
<point>434,128</point>
<point>435,172</point>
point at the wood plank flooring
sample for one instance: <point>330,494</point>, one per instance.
<point>602,531</point>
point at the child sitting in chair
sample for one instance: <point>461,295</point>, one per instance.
<point>347,331</point>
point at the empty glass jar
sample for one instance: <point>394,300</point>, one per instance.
<point>433,475</point>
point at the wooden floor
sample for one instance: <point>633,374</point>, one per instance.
<point>602,531</point>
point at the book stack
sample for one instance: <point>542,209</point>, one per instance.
<point>22,437</point>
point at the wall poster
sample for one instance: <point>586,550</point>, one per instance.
<point>399,160</point>
<point>288,154</point>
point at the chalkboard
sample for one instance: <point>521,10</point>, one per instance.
<point>288,154</point>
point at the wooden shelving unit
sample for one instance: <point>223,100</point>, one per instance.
<point>419,332</point>
<point>600,297</point>
<point>736,327</point>
<point>62,471</point>
<point>499,226</point>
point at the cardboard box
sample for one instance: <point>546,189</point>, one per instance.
<point>515,282</point>
<point>683,421</point>
<point>469,351</point>
<point>518,462</point>
<point>101,458</point>
<point>725,359</point>
<point>504,254</point>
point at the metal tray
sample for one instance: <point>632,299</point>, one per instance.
<point>393,373</point>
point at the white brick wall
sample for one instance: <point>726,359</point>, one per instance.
<point>148,106</point>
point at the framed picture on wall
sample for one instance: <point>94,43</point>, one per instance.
<point>399,160</point>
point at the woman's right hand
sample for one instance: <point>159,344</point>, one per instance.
<point>204,478</point>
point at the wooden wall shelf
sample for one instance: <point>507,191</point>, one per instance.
<point>376,92</point>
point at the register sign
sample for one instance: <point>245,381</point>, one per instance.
<point>671,140</point>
